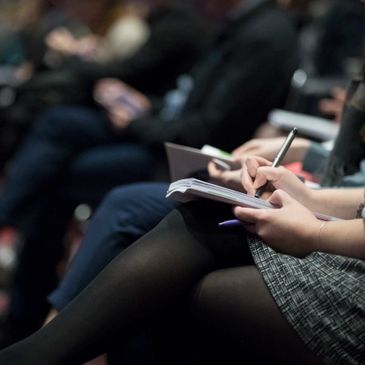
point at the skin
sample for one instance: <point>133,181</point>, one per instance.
<point>282,229</point>
<point>334,106</point>
<point>106,93</point>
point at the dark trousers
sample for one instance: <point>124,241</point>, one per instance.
<point>75,148</point>
<point>125,215</point>
<point>72,156</point>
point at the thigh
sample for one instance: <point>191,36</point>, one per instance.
<point>236,306</point>
<point>96,171</point>
<point>126,214</point>
<point>76,127</point>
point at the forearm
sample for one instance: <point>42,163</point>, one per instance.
<point>345,238</point>
<point>342,203</point>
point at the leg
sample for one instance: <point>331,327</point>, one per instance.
<point>125,215</point>
<point>236,305</point>
<point>59,136</point>
<point>95,171</point>
<point>139,285</point>
<point>46,220</point>
<point>36,274</point>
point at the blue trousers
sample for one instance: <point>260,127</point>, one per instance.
<point>72,156</point>
<point>74,149</point>
<point>126,214</point>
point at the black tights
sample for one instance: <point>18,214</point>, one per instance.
<point>185,256</point>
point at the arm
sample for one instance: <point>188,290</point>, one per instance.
<point>229,100</point>
<point>269,147</point>
<point>346,238</point>
<point>342,203</point>
<point>172,47</point>
<point>293,228</point>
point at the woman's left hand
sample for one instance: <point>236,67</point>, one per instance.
<point>290,229</point>
<point>228,178</point>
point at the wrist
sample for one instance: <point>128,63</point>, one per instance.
<point>311,199</point>
<point>314,236</point>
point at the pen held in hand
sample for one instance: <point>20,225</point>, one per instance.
<point>279,157</point>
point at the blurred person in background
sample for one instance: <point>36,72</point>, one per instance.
<point>169,49</point>
<point>250,63</point>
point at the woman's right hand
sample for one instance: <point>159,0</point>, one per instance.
<point>257,171</point>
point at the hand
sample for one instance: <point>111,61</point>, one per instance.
<point>257,171</point>
<point>334,106</point>
<point>122,103</point>
<point>231,178</point>
<point>24,72</point>
<point>290,229</point>
<point>88,46</point>
<point>61,40</point>
<point>269,147</point>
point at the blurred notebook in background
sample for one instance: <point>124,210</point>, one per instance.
<point>313,127</point>
<point>186,161</point>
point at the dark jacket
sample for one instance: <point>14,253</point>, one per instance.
<point>246,74</point>
<point>177,39</point>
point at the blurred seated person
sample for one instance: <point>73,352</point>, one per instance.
<point>341,38</point>
<point>86,153</point>
<point>26,24</point>
<point>331,37</point>
<point>176,39</point>
<point>115,30</point>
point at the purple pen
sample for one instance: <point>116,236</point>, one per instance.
<point>231,223</point>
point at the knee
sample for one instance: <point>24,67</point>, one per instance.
<point>123,196</point>
<point>136,196</point>
<point>63,123</point>
<point>50,121</point>
<point>206,293</point>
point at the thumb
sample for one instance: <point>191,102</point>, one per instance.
<point>280,198</point>
<point>249,215</point>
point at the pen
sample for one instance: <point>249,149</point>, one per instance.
<point>279,157</point>
<point>231,223</point>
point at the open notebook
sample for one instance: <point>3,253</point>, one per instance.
<point>190,189</point>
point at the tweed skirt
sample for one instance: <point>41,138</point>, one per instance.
<point>323,298</point>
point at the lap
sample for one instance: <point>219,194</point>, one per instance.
<point>237,307</point>
<point>97,170</point>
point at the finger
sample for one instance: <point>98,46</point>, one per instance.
<point>214,172</point>
<point>339,94</point>
<point>247,214</point>
<point>266,174</point>
<point>247,181</point>
<point>330,106</point>
<point>281,198</point>
<point>254,162</point>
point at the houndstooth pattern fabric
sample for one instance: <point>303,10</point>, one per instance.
<point>323,298</point>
